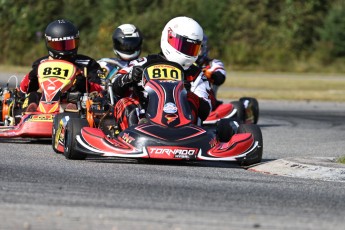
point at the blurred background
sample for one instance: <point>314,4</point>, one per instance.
<point>265,35</point>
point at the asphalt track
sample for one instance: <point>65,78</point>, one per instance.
<point>42,190</point>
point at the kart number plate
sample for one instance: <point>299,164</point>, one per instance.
<point>164,72</point>
<point>57,69</point>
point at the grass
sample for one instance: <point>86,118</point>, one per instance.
<point>341,160</point>
<point>15,69</point>
<point>284,86</point>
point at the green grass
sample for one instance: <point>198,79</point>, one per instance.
<point>284,86</point>
<point>341,160</point>
<point>15,69</point>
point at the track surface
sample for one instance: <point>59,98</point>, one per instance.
<point>42,190</point>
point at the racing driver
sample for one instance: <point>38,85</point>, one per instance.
<point>62,40</point>
<point>180,43</point>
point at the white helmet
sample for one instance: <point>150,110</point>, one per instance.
<point>181,41</point>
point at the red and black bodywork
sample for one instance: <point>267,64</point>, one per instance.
<point>245,110</point>
<point>168,133</point>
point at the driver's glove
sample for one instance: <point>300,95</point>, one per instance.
<point>134,75</point>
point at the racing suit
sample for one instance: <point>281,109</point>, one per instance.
<point>29,84</point>
<point>110,66</point>
<point>196,83</point>
<point>215,72</point>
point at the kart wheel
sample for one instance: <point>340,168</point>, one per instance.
<point>56,132</point>
<point>225,129</point>
<point>240,110</point>
<point>72,129</point>
<point>251,106</point>
<point>255,156</point>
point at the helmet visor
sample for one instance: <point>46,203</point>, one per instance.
<point>128,45</point>
<point>184,45</point>
<point>64,45</point>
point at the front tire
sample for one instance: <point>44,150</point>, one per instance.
<point>56,132</point>
<point>73,129</point>
<point>255,156</point>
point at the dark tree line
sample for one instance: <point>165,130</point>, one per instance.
<point>271,35</point>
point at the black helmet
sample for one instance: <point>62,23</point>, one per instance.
<point>127,40</point>
<point>62,39</point>
<point>203,55</point>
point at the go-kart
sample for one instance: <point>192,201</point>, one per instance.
<point>10,104</point>
<point>168,132</point>
<point>245,110</point>
<point>55,77</point>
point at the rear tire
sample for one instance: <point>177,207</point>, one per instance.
<point>56,122</point>
<point>255,156</point>
<point>253,105</point>
<point>73,128</point>
<point>240,115</point>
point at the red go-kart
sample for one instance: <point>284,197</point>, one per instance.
<point>55,77</point>
<point>168,132</point>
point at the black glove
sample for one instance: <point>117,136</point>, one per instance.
<point>133,76</point>
<point>79,84</point>
<point>187,85</point>
<point>218,78</point>
<point>136,73</point>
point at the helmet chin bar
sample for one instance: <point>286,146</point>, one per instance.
<point>128,57</point>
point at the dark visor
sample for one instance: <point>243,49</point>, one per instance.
<point>185,45</point>
<point>64,45</point>
<point>128,44</point>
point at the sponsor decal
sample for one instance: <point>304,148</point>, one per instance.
<point>103,73</point>
<point>41,117</point>
<point>172,151</point>
<point>171,32</point>
<point>127,138</point>
<point>171,117</point>
<point>140,59</point>
<point>170,108</point>
<point>49,38</point>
